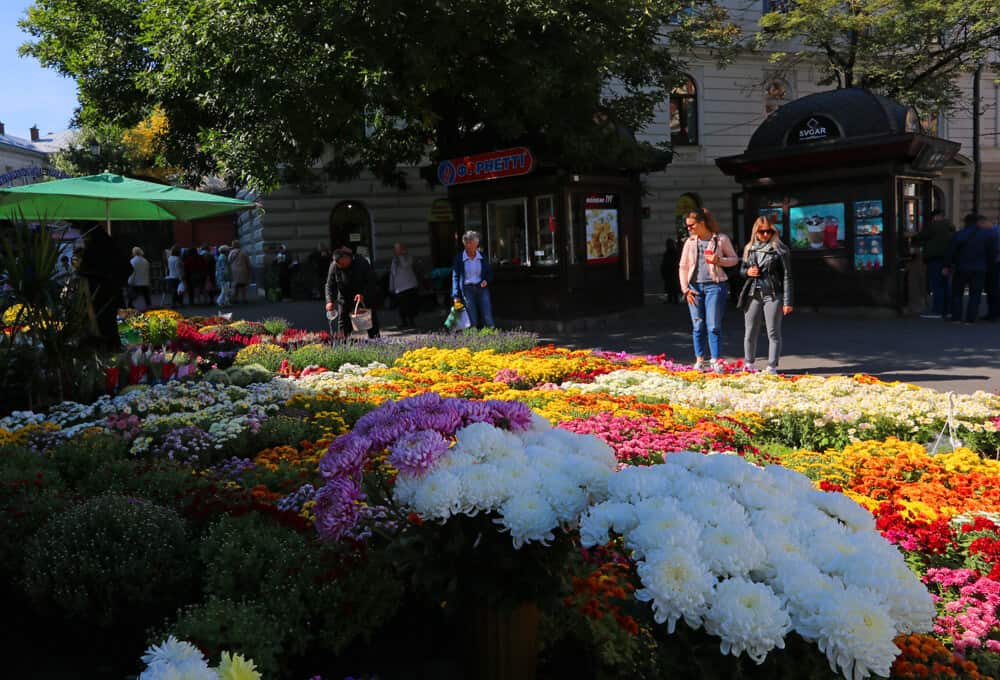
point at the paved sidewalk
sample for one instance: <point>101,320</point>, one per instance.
<point>927,352</point>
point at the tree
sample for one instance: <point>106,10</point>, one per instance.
<point>908,50</point>
<point>106,147</point>
<point>251,85</point>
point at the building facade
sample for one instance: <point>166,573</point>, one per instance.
<point>712,115</point>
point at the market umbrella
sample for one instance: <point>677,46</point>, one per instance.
<point>108,197</point>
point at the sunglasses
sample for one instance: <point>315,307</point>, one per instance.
<point>765,232</point>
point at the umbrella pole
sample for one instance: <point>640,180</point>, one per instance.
<point>107,215</point>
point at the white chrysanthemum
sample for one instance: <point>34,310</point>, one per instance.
<point>455,458</point>
<point>793,483</point>
<point>780,546</point>
<point>482,488</point>
<point>675,530</point>
<point>678,585</point>
<point>805,588</point>
<point>185,671</point>
<point>856,633</point>
<point>174,659</point>
<point>725,468</point>
<point>528,517</point>
<point>593,475</point>
<point>405,488</point>
<point>539,423</point>
<point>439,495</point>
<point>565,496</point>
<point>596,449</point>
<point>546,461</point>
<point>706,506</point>
<point>516,477</point>
<point>600,519</point>
<point>689,460</point>
<point>748,617</point>
<point>754,496</point>
<point>840,507</point>
<point>549,439</point>
<point>731,550</point>
<point>483,441</point>
<point>632,484</point>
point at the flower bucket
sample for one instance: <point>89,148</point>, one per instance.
<point>361,320</point>
<point>505,643</point>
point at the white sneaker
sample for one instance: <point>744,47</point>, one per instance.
<point>772,370</point>
<point>699,365</point>
<point>717,366</point>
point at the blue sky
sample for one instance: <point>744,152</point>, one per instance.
<point>29,94</point>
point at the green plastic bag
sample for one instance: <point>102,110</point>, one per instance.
<point>458,319</point>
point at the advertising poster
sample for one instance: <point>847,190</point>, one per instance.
<point>869,254</point>
<point>818,227</point>
<point>601,214</point>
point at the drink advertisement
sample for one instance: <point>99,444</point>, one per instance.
<point>818,227</point>
<point>869,253</point>
<point>601,214</point>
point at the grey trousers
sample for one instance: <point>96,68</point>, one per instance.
<point>769,310</point>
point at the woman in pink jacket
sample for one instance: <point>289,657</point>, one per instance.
<point>705,284</point>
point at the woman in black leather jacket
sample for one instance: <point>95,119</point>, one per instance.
<point>766,293</point>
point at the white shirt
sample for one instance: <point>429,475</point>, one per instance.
<point>140,271</point>
<point>473,267</point>
<point>401,274</point>
<point>175,267</point>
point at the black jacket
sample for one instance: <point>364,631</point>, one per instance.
<point>343,284</point>
<point>775,266</point>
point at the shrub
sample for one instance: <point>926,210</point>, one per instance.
<point>241,376</point>
<point>250,328</point>
<point>278,430</point>
<point>267,355</point>
<point>333,357</point>
<point>77,458</point>
<point>216,375</point>
<point>110,560</point>
<point>275,325</point>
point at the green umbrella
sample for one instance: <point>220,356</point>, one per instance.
<point>108,197</point>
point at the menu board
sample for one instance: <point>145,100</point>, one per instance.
<point>869,250</point>
<point>815,227</point>
<point>601,214</point>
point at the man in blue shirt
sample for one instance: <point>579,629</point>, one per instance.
<point>471,276</point>
<point>971,254</point>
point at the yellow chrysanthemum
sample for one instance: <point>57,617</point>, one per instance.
<point>237,667</point>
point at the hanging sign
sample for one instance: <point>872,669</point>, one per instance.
<point>486,166</point>
<point>813,129</point>
<point>32,172</point>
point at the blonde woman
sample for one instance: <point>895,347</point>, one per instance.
<point>705,284</point>
<point>766,293</point>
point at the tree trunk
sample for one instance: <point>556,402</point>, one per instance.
<point>977,165</point>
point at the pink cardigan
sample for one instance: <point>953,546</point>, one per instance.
<point>727,258</point>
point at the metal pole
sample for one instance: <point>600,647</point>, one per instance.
<point>977,160</point>
<point>107,215</point>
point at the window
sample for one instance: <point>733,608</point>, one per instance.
<point>542,235</point>
<point>931,124</point>
<point>775,95</point>
<point>782,6</point>
<point>684,114</point>
<point>507,222</point>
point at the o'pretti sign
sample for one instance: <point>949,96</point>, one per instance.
<point>486,166</point>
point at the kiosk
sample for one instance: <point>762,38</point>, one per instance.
<point>846,178</point>
<point>562,245</point>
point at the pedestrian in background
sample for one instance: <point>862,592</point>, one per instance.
<point>404,284</point>
<point>934,240</point>
<point>175,274</point>
<point>194,275</point>
<point>668,270</point>
<point>704,283</point>
<point>350,284</point>
<point>471,277</point>
<point>223,276</point>
<point>138,281</point>
<point>239,264</point>
<point>767,292</point>
<point>971,253</point>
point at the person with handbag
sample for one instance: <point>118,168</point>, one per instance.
<point>704,283</point>
<point>350,286</point>
<point>471,277</point>
<point>767,292</point>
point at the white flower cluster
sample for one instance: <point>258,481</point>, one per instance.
<point>175,659</point>
<point>752,553</point>
<point>535,481</point>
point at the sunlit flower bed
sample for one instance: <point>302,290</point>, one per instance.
<point>271,447</point>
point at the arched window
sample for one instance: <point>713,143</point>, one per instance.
<point>351,225</point>
<point>684,114</point>
<point>776,93</point>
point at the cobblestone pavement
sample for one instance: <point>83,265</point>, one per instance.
<point>927,352</point>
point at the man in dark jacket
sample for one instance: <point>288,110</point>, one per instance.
<point>934,239</point>
<point>107,272</point>
<point>349,281</point>
<point>970,255</point>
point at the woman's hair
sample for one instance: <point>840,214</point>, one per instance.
<point>470,236</point>
<point>175,250</point>
<point>703,215</point>
<point>137,251</point>
<point>236,243</point>
<point>763,223</point>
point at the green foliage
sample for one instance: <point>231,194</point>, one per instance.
<point>333,357</point>
<point>909,51</point>
<point>217,375</point>
<point>112,560</point>
<point>275,325</point>
<point>77,458</point>
<point>241,376</point>
<point>282,430</point>
<point>246,90</point>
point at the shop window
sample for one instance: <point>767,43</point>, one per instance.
<point>684,114</point>
<point>351,225</point>
<point>775,95</point>
<point>507,224</point>
<point>542,235</point>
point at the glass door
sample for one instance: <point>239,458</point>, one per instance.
<point>507,223</point>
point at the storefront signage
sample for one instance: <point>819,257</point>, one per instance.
<point>813,129</point>
<point>33,173</point>
<point>440,211</point>
<point>601,214</point>
<point>486,166</point>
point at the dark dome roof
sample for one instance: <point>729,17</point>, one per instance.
<point>856,112</point>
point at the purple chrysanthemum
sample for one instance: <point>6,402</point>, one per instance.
<point>477,412</point>
<point>346,456</point>
<point>337,507</point>
<point>516,414</point>
<point>415,453</point>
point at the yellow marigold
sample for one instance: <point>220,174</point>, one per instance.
<point>259,353</point>
<point>966,460</point>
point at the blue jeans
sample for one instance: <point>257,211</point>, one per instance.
<point>940,286</point>
<point>975,282</point>
<point>706,315</point>
<point>477,303</point>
